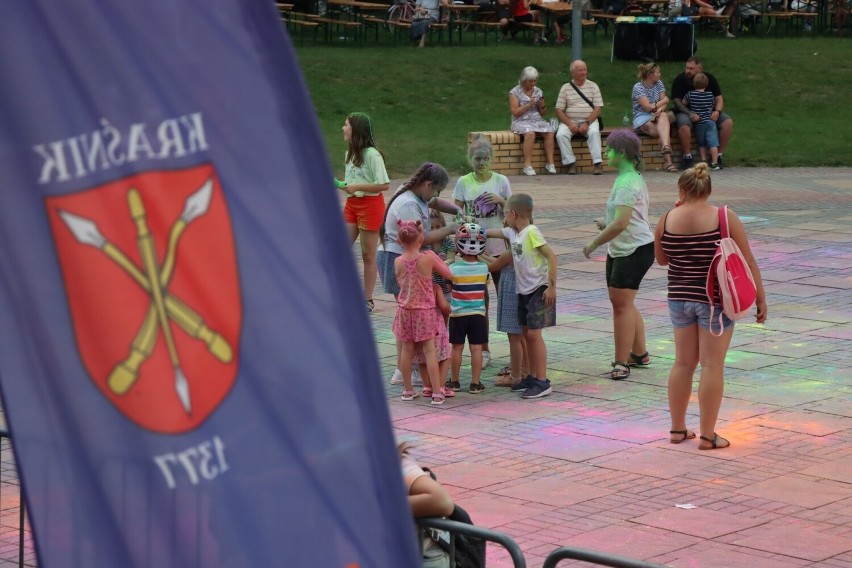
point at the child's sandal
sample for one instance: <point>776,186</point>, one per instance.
<point>409,394</point>
<point>643,360</point>
<point>427,392</point>
<point>437,399</point>
<point>620,371</point>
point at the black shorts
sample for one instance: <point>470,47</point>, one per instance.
<point>523,19</point>
<point>473,327</point>
<point>533,312</point>
<point>628,271</point>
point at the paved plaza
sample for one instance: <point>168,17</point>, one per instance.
<point>591,465</point>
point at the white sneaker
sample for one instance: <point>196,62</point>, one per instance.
<point>486,359</point>
<point>529,171</point>
<point>551,169</point>
<point>396,379</point>
<point>416,379</point>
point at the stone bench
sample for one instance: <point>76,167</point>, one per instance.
<point>509,153</point>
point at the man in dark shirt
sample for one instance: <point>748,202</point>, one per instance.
<point>685,119</point>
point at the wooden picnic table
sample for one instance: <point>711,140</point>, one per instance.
<point>460,15</point>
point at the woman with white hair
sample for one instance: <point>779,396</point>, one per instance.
<point>526,102</point>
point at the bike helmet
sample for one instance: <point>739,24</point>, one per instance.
<point>470,239</point>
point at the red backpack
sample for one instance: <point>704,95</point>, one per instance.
<point>729,268</point>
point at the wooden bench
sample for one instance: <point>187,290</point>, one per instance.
<point>486,28</point>
<point>509,153</point>
<point>335,26</point>
<point>705,21</point>
<point>789,17</point>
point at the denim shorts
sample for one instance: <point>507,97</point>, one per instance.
<point>684,314</point>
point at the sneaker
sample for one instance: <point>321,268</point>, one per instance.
<point>687,162</point>
<point>410,395</point>
<point>449,393</point>
<point>486,359</point>
<point>729,35</point>
<point>572,169</point>
<point>715,167</point>
<point>416,379</point>
<point>529,171</point>
<point>506,381</point>
<point>396,379</point>
<point>597,170</point>
<point>476,388</point>
<point>551,169</point>
<point>523,384</point>
<point>561,39</point>
<point>453,385</point>
<point>721,162</point>
<point>538,389</point>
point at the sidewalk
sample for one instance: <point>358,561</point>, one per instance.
<point>591,465</point>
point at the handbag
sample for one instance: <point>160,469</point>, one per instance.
<point>588,102</point>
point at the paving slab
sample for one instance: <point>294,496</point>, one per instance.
<point>797,541</point>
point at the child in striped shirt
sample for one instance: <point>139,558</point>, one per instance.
<point>468,318</point>
<point>702,102</point>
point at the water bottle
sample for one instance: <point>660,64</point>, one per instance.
<point>626,122</point>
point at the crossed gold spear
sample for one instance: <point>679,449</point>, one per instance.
<point>155,281</point>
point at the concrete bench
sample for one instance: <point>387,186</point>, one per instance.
<point>509,153</point>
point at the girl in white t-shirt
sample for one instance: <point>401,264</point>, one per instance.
<point>364,181</point>
<point>630,250</point>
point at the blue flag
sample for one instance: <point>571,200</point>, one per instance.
<point>186,364</point>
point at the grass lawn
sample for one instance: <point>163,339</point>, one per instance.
<point>789,97</point>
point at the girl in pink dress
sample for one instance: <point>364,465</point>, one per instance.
<point>417,321</point>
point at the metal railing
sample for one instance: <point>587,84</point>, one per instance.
<point>4,435</point>
<point>456,528</point>
<point>595,557</point>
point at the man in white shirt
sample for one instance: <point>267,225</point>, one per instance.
<point>578,116</point>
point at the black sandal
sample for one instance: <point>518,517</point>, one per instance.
<point>684,433</point>
<point>643,360</point>
<point>715,442</point>
<point>620,371</point>
<point>371,305</point>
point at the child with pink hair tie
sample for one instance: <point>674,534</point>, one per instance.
<point>417,321</point>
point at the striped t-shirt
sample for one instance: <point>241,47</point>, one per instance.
<point>701,103</point>
<point>689,260</point>
<point>468,294</point>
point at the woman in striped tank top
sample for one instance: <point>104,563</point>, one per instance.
<point>686,240</point>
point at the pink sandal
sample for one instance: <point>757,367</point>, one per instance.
<point>437,399</point>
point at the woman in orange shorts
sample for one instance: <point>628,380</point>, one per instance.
<point>365,180</point>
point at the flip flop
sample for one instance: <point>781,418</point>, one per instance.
<point>715,440</point>
<point>687,435</point>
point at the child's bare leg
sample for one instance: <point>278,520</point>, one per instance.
<point>475,363</point>
<point>424,374</point>
<point>703,153</point>
<point>443,368</point>
<point>406,354</point>
<point>431,357</point>
<point>517,355</point>
<point>714,155</point>
<point>538,353</point>
<point>457,360</point>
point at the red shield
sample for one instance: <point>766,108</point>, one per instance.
<point>102,234</point>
